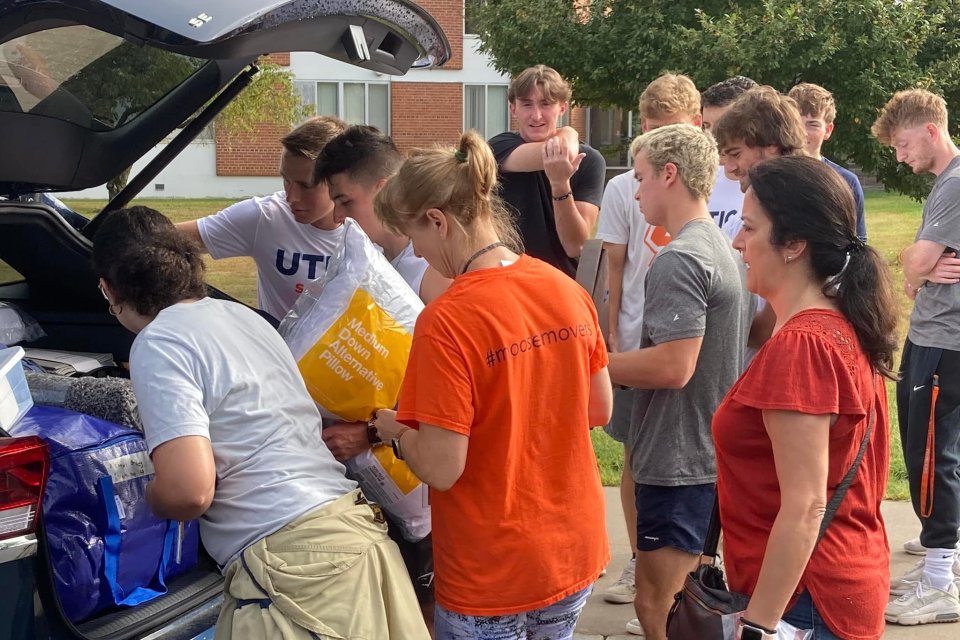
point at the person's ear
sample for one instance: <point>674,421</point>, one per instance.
<point>795,248</point>
<point>563,107</point>
<point>437,220</point>
<point>670,174</point>
<point>827,130</point>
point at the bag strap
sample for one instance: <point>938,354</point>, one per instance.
<point>111,553</point>
<point>713,530</point>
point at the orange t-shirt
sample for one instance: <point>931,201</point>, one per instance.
<point>813,365</point>
<point>504,357</point>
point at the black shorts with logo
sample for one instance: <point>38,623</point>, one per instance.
<point>418,557</point>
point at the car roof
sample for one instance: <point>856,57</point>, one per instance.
<point>118,76</point>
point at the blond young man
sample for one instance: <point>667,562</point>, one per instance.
<point>818,110</point>
<point>914,124</point>
<point>690,352</point>
<point>631,245</point>
<point>291,235</point>
<point>551,180</point>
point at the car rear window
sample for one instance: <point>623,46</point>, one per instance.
<point>82,75</point>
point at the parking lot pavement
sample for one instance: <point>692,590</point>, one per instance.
<point>601,621</point>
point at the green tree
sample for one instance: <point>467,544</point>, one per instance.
<point>861,50</point>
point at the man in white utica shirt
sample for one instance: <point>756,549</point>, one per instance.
<point>291,234</point>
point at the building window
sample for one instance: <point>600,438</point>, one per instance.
<point>610,131</point>
<point>470,7</point>
<point>354,102</point>
<point>485,109</point>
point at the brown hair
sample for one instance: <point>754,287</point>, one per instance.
<point>910,108</point>
<point>807,200</point>
<point>460,181</point>
<point>148,264</point>
<point>553,86</point>
<point>813,101</point>
<point>669,95</point>
<point>309,139</point>
<point>762,117</point>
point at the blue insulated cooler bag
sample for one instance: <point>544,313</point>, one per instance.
<point>106,547</point>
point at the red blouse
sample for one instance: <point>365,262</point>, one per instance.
<point>813,365</point>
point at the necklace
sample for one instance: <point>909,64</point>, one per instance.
<point>489,247</point>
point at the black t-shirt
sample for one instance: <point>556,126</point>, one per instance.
<point>529,194</point>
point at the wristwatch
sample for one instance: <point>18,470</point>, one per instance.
<point>395,443</point>
<point>752,631</point>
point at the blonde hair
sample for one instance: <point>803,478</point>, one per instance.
<point>910,108</point>
<point>813,100</point>
<point>669,95</point>
<point>459,181</point>
<point>309,139</point>
<point>691,149</point>
<point>762,117</point>
<point>553,86</point>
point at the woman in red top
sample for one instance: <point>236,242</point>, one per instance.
<point>506,374</point>
<point>791,426</point>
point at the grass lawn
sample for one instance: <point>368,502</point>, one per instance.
<point>892,221</point>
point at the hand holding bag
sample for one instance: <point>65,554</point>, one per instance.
<point>705,609</point>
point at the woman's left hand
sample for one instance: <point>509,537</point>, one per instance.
<point>387,425</point>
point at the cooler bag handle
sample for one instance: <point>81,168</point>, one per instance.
<point>111,553</point>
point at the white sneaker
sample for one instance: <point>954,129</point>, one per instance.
<point>634,628</point>
<point>908,581</point>
<point>914,548</point>
<point>924,605</point>
<point>624,590</point>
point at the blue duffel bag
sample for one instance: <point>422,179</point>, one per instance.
<point>107,549</point>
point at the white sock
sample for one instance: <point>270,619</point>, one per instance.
<point>938,568</point>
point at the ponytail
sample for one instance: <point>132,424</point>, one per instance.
<point>864,294</point>
<point>461,181</point>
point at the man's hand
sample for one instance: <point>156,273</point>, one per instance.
<point>947,269</point>
<point>560,161</point>
<point>346,440</point>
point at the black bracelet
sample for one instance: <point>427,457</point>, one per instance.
<point>563,197</point>
<point>372,436</point>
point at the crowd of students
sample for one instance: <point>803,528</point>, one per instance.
<point>750,331</point>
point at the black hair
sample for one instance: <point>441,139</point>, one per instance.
<point>364,153</point>
<point>148,264</point>
<point>726,91</point>
<point>807,200</point>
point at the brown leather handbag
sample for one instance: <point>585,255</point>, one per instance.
<point>698,610</point>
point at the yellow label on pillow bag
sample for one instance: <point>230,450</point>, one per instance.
<point>357,366</point>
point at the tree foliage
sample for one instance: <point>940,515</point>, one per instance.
<point>861,50</point>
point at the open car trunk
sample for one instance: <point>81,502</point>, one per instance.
<point>88,121</point>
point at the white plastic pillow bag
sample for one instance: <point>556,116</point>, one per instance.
<point>350,332</point>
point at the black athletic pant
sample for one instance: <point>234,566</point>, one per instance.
<point>914,392</point>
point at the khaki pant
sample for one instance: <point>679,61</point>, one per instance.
<point>332,573</point>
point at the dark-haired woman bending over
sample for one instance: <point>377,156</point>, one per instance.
<point>235,440</point>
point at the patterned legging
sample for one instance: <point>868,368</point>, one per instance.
<point>555,622</point>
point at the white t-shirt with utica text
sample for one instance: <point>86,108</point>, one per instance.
<point>287,253</point>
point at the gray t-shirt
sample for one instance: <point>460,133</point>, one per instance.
<point>936,311</point>
<point>695,287</point>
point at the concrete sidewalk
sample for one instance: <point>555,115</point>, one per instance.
<point>601,620</point>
